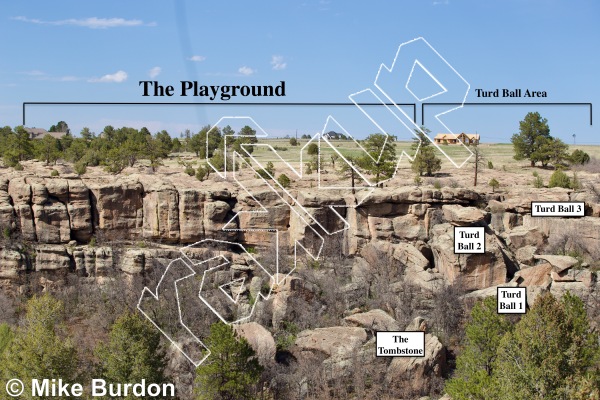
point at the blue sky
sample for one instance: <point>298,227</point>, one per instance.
<point>324,50</point>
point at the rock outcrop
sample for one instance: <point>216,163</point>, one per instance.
<point>72,225</point>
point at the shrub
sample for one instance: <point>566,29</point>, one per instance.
<point>418,180</point>
<point>201,173</point>
<point>18,166</point>
<point>190,170</point>
<point>579,157</point>
<point>263,173</point>
<point>538,182</point>
<point>490,165</point>
<point>80,168</point>
<point>270,168</point>
<point>313,149</point>
<point>535,173</point>
<point>284,181</point>
<point>294,142</point>
<point>54,173</point>
<point>437,184</point>
<point>559,179</point>
<point>494,184</point>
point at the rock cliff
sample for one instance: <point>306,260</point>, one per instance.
<point>76,226</point>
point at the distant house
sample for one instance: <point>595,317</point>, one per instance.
<point>38,133</point>
<point>332,135</point>
<point>450,138</point>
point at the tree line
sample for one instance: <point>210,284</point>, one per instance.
<point>42,348</point>
<point>552,352</point>
<point>117,148</point>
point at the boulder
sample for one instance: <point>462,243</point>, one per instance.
<point>559,263</point>
<point>556,277</point>
<point>408,255</point>
<point>260,340</point>
<point>475,271</point>
<point>336,341</point>
<point>418,372</point>
<point>490,291</point>
<point>538,275</point>
<point>525,254</point>
<point>374,320</point>
<point>462,216</point>
<point>522,236</point>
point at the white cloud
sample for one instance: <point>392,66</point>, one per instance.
<point>118,77</point>
<point>441,2</point>
<point>278,63</point>
<point>154,72</point>
<point>93,22</point>
<point>197,58</point>
<point>246,70</point>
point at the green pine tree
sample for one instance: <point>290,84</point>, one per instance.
<point>39,348</point>
<point>231,372</point>
<point>534,133</point>
<point>549,353</point>
<point>473,378</point>
<point>426,162</point>
<point>132,353</point>
<point>381,158</point>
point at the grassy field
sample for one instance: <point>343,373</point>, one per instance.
<point>500,154</point>
<point>508,171</point>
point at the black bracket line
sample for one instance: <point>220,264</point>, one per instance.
<point>93,103</point>
<point>502,104</point>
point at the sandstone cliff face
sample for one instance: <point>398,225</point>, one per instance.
<point>92,227</point>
